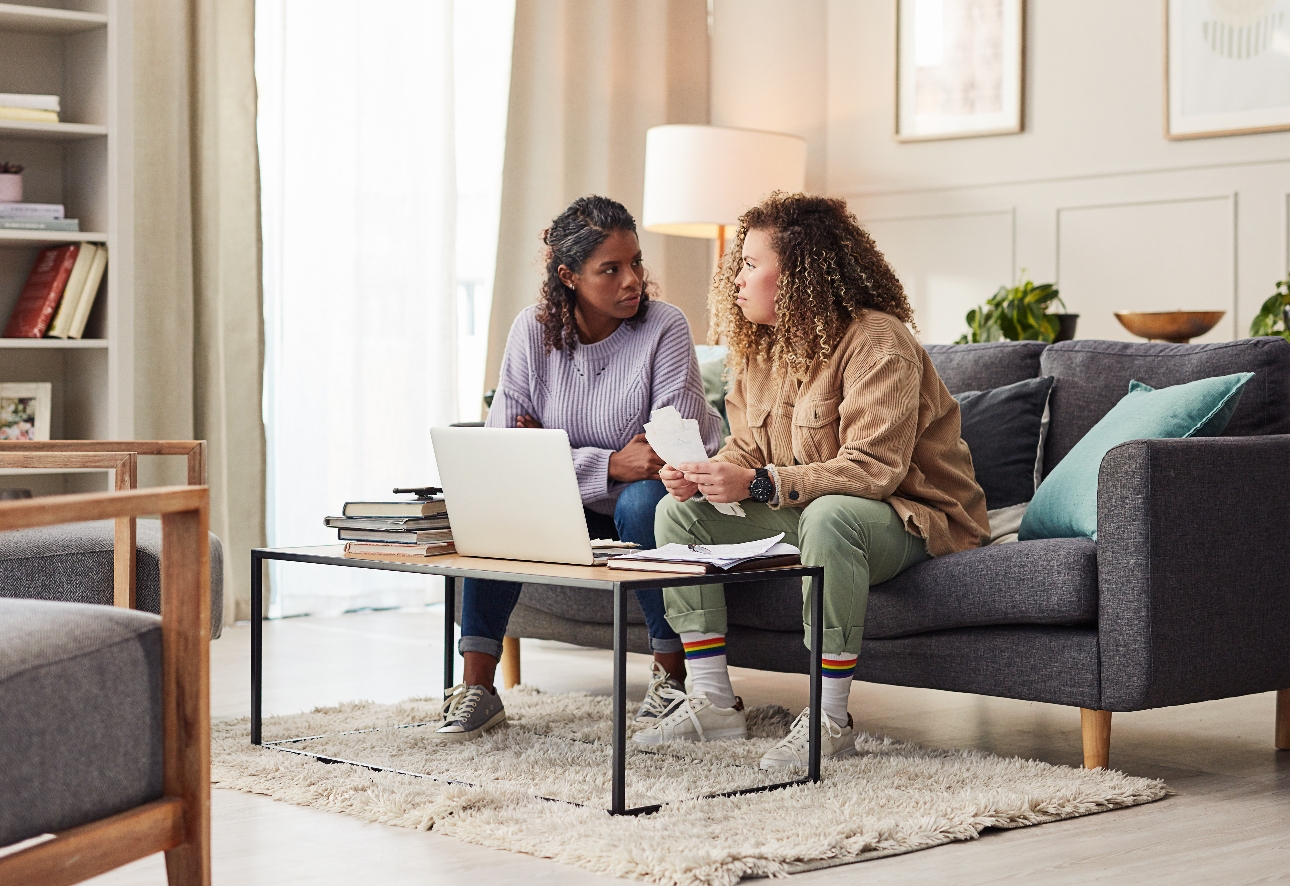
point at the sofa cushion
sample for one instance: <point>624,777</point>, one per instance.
<point>579,604</point>
<point>80,714</point>
<point>1051,582</point>
<point>1065,505</point>
<point>1004,429</point>
<point>987,365</point>
<point>1092,376</point>
<point>72,563</point>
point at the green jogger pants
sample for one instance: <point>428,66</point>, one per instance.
<point>859,542</point>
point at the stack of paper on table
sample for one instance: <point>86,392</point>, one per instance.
<point>764,553</point>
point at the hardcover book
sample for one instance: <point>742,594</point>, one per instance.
<point>61,327</point>
<point>395,508</point>
<point>39,299</point>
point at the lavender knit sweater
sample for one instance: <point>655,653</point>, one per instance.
<point>604,394</point>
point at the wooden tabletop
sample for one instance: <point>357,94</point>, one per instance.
<point>522,570</point>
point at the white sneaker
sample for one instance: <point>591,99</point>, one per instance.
<point>694,718</point>
<point>835,742</point>
<point>655,705</point>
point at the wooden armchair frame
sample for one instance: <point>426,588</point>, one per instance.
<point>97,454</point>
<point>179,823</point>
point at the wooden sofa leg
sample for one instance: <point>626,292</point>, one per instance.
<point>1283,719</point>
<point>1095,727</point>
<point>510,661</point>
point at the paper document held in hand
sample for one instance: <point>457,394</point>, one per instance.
<point>678,441</point>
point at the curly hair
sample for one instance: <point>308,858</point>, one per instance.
<point>573,236</point>
<point>830,273</point>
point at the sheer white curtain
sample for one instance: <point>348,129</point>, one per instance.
<point>360,207</point>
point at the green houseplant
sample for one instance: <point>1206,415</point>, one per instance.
<point>1016,313</point>
<point>1274,317</point>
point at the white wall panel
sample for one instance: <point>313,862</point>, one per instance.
<point>948,264</point>
<point>1148,256</point>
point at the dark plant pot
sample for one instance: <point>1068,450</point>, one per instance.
<point>1067,330</point>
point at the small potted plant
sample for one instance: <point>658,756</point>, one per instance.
<point>10,182</point>
<point>1020,313</point>
<point>1274,317</point>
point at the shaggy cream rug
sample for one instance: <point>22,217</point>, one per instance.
<point>891,798</point>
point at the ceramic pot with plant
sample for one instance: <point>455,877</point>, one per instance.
<point>1020,313</point>
<point>10,182</point>
<point>1274,317</point>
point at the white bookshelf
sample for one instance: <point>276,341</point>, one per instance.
<point>80,51</point>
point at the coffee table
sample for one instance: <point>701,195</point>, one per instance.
<point>619,582</point>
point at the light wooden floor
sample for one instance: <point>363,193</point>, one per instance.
<point>1229,823</point>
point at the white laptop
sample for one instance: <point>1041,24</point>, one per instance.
<point>512,494</point>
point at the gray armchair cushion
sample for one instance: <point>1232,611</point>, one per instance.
<point>988,365</point>
<point>1092,376</point>
<point>72,563</point>
<point>80,714</point>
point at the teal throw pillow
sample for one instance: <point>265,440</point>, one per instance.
<point>1065,504</point>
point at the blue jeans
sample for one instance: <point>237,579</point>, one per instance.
<point>487,605</point>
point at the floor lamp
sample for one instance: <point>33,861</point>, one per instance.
<point>700,179</point>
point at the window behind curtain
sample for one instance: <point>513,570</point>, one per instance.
<point>381,128</point>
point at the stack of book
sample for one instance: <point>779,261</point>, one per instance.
<point>36,217</point>
<point>395,528</point>
<point>59,293</point>
<point>32,108</point>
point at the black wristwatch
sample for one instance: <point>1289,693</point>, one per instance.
<point>762,487</point>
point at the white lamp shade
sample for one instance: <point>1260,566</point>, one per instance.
<point>698,178</point>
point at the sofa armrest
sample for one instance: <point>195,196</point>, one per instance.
<point>1193,577</point>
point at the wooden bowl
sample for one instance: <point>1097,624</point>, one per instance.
<point>1178,327</point>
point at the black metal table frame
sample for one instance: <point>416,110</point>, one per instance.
<point>815,598</point>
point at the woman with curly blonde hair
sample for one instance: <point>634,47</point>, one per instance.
<point>843,438</point>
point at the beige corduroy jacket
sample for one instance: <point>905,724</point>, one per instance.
<point>874,421</point>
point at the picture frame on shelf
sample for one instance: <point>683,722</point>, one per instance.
<point>24,410</point>
<point>1227,67</point>
<point>960,68</point>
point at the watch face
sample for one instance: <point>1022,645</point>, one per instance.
<point>762,488</point>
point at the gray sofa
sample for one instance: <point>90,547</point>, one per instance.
<point>1181,598</point>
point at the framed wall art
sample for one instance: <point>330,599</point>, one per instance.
<point>1227,67</point>
<point>24,410</point>
<point>959,68</point>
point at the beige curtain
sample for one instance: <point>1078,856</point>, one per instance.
<point>198,323</point>
<point>588,77</point>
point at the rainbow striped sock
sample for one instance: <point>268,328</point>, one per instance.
<point>705,659</point>
<point>834,694</point>
<point>710,645</point>
<point>839,666</point>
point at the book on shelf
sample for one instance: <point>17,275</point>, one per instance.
<point>33,211</point>
<point>400,524</point>
<point>61,326</point>
<point>29,115</point>
<point>430,508</point>
<point>35,224</point>
<point>765,553</point>
<point>30,102</point>
<point>397,536</point>
<point>373,549</point>
<point>38,301</point>
<point>85,301</point>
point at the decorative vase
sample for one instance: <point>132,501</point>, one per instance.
<point>11,187</point>
<point>1066,332</point>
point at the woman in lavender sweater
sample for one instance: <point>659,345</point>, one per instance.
<point>594,357</point>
